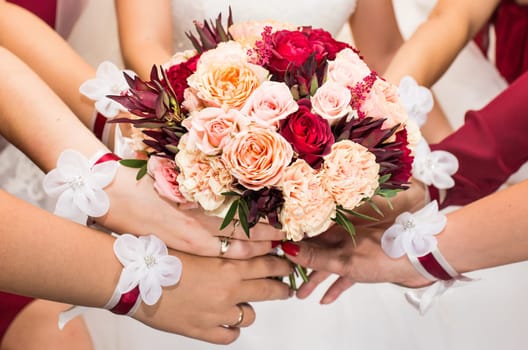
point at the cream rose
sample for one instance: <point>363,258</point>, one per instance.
<point>347,69</point>
<point>179,57</point>
<point>383,102</point>
<point>202,178</point>
<point>224,77</point>
<point>308,207</point>
<point>350,173</point>
<point>332,101</point>
<point>257,157</point>
<point>270,103</point>
<point>211,128</point>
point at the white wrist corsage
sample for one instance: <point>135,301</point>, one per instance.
<point>78,183</point>
<point>417,100</point>
<point>434,168</point>
<point>109,80</point>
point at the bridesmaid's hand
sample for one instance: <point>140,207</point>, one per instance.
<point>205,303</point>
<point>334,252</point>
<point>136,207</point>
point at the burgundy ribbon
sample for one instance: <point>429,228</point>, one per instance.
<point>431,265</point>
<point>126,302</point>
<point>99,125</point>
<point>107,157</point>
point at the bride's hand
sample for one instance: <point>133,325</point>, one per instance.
<point>204,303</point>
<point>135,206</point>
<point>334,252</point>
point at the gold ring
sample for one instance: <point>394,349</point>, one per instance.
<point>240,317</point>
<point>224,245</point>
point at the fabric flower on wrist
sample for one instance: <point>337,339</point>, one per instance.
<point>79,184</point>
<point>109,80</point>
<point>417,100</point>
<point>414,234</point>
<point>147,263</point>
<point>434,167</point>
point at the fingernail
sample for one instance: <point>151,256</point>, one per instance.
<point>291,248</point>
<point>275,244</point>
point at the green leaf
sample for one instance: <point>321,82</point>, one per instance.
<point>375,207</point>
<point>142,172</point>
<point>230,193</point>
<point>230,214</point>
<point>359,215</point>
<point>384,178</point>
<point>243,211</point>
<point>342,220</point>
<point>314,85</point>
<point>133,163</point>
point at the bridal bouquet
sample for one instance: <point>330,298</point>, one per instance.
<point>266,121</point>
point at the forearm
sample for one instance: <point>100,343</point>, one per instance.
<point>47,257</point>
<point>48,55</point>
<point>437,42</point>
<point>33,115</point>
<point>489,232</point>
<point>147,41</point>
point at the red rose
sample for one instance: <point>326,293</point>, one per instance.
<point>324,44</point>
<point>309,134</point>
<point>178,75</point>
<point>288,47</point>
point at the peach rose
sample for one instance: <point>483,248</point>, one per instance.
<point>247,33</point>
<point>347,69</point>
<point>270,103</point>
<point>191,102</point>
<point>224,77</point>
<point>165,176</point>
<point>202,178</point>
<point>308,207</point>
<point>211,128</point>
<point>332,101</point>
<point>257,157</point>
<point>383,102</point>
<point>350,173</point>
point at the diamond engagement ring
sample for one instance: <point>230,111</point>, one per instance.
<point>224,245</point>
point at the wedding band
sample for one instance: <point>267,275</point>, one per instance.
<point>240,317</point>
<point>224,245</point>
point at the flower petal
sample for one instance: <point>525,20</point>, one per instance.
<point>150,289</point>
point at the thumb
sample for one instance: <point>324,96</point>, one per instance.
<point>313,257</point>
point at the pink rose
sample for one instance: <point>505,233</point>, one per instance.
<point>165,176</point>
<point>383,102</point>
<point>211,128</point>
<point>350,173</point>
<point>191,102</point>
<point>332,101</point>
<point>308,207</point>
<point>270,102</point>
<point>309,134</point>
<point>257,157</point>
<point>202,178</point>
<point>347,69</point>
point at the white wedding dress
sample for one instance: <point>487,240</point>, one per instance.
<point>488,314</point>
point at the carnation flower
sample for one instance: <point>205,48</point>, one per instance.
<point>257,157</point>
<point>350,173</point>
<point>308,207</point>
<point>224,77</point>
<point>202,179</point>
<point>270,103</point>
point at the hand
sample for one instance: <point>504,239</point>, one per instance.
<point>136,207</point>
<point>334,252</point>
<point>204,303</point>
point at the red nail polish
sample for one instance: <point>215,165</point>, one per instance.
<point>291,248</point>
<point>275,244</point>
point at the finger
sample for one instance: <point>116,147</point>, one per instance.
<point>336,289</point>
<point>259,232</point>
<point>265,266</point>
<point>315,279</point>
<point>241,315</point>
<point>263,289</point>
<point>240,249</point>
<point>221,335</point>
<point>315,258</point>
